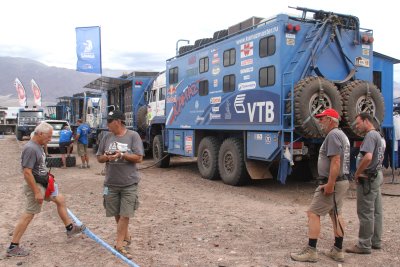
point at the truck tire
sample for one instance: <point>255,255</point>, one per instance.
<point>161,159</point>
<point>307,103</point>
<point>355,101</point>
<point>207,157</point>
<point>53,162</point>
<point>19,136</point>
<point>231,163</point>
<point>70,161</point>
<point>141,120</point>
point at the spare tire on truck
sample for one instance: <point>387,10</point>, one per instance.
<point>358,97</point>
<point>313,95</point>
<point>141,119</point>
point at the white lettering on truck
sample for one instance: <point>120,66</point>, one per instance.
<point>264,108</point>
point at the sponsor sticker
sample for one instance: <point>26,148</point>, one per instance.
<point>215,100</point>
<point>247,85</point>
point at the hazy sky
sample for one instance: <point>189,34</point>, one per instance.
<point>141,35</point>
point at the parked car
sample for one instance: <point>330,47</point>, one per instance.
<point>58,125</point>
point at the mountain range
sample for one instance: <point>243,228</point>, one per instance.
<point>54,82</point>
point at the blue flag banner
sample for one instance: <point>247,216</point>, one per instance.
<point>88,49</point>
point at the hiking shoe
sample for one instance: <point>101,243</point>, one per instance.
<point>335,254</point>
<point>75,230</point>
<point>355,249</point>
<point>308,254</point>
<point>17,251</point>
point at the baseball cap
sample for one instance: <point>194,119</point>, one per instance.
<point>116,115</point>
<point>328,112</point>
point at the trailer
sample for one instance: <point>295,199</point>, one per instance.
<point>243,102</point>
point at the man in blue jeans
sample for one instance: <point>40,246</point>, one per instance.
<point>82,136</point>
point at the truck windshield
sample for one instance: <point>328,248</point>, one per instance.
<point>37,114</point>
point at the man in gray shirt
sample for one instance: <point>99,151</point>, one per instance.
<point>120,149</point>
<point>369,178</point>
<point>37,188</point>
<point>333,169</point>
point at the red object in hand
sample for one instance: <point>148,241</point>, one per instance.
<point>50,186</point>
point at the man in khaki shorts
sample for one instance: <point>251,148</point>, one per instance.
<point>82,133</point>
<point>333,169</point>
<point>120,149</point>
<point>33,161</point>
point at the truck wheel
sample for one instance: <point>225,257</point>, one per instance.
<point>231,162</point>
<point>54,162</point>
<point>207,157</point>
<point>162,161</point>
<point>70,161</point>
<point>19,136</point>
<point>307,103</point>
<point>356,101</point>
<point>142,119</point>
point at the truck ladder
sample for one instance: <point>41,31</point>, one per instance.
<point>308,49</point>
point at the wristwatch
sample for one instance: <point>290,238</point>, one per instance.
<point>121,155</point>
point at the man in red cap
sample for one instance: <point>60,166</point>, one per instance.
<point>333,171</point>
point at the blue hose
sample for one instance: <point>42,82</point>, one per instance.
<point>90,234</point>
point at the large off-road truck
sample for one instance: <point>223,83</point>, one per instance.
<point>241,99</point>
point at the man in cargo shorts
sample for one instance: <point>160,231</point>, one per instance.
<point>82,133</point>
<point>120,149</point>
<point>33,161</point>
<point>333,171</point>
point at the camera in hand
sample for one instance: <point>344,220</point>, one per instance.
<point>110,153</point>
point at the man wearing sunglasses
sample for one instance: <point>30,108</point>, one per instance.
<point>120,149</point>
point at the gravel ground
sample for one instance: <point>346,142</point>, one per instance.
<point>183,220</point>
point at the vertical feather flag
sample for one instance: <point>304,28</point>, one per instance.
<point>37,94</point>
<point>88,49</point>
<point>21,92</point>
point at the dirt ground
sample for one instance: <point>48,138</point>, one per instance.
<point>183,220</point>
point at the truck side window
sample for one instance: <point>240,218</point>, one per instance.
<point>203,64</point>
<point>153,96</point>
<point>229,83</point>
<point>161,95</point>
<point>173,75</point>
<point>229,57</point>
<point>203,88</point>
<point>267,46</point>
<point>267,76</point>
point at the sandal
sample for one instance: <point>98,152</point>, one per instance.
<point>124,252</point>
<point>127,242</point>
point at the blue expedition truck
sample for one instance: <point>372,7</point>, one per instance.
<point>139,94</point>
<point>239,100</point>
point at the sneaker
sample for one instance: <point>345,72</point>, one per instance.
<point>355,249</point>
<point>87,166</point>
<point>75,230</point>
<point>335,254</point>
<point>309,254</point>
<point>17,251</point>
<point>82,167</point>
